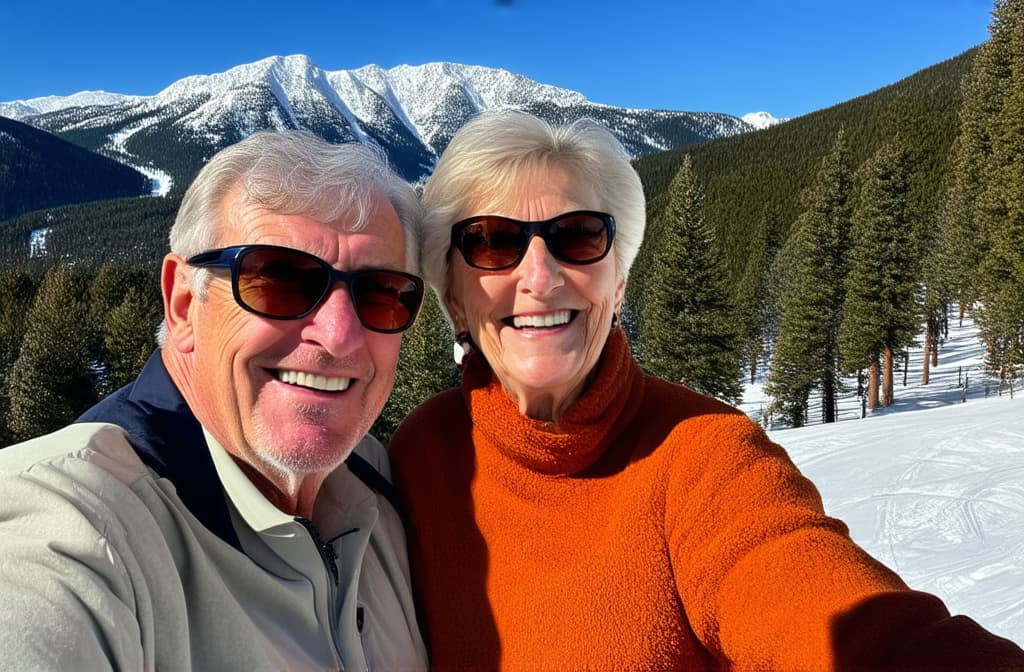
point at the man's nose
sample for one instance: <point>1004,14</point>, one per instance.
<point>335,324</point>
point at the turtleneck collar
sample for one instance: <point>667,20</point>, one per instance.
<point>584,432</point>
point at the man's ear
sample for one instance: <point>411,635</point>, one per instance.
<point>176,287</point>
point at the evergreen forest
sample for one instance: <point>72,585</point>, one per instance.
<point>806,253</point>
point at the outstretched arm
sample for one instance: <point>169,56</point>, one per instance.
<point>770,582</point>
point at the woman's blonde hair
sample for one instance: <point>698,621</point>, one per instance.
<point>484,159</point>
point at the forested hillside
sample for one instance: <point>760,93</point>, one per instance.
<point>749,175</point>
<point>847,233</point>
<point>127,230</point>
<point>39,170</point>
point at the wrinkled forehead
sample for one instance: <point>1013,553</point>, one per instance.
<point>344,210</point>
<point>242,219</point>
<point>500,193</point>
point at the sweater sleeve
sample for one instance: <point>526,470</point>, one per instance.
<point>69,601</point>
<point>770,582</point>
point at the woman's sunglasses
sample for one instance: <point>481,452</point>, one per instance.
<point>494,243</point>
<point>286,284</point>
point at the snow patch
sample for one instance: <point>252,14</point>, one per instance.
<point>761,120</point>
<point>37,242</point>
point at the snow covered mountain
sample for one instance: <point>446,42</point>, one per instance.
<point>409,111</point>
<point>761,120</point>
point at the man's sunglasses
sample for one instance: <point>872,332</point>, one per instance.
<point>286,284</point>
<point>494,243</point>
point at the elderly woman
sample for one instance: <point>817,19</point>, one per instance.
<point>568,511</point>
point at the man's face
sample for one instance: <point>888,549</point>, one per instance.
<point>239,359</point>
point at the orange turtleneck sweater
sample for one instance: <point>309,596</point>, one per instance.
<point>651,528</point>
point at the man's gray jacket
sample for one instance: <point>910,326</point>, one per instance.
<point>136,543</point>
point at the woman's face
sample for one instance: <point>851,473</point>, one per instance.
<point>543,323</point>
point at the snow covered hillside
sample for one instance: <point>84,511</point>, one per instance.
<point>932,486</point>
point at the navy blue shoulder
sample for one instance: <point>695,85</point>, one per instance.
<point>169,440</point>
<point>375,481</point>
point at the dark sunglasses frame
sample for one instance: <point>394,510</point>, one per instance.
<point>547,230</point>
<point>232,257</point>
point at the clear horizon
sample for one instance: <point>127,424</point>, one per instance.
<point>787,58</point>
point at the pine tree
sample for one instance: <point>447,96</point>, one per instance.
<point>882,307</point>
<point>425,367</point>
<point>109,287</point>
<point>129,336</point>
<point>759,320</point>
<point>17,290</point>
<point>107,294</point>
<point>989,188</point>
<point>939,288</point>
<point>1001,274</point>
<point>806,356</point>
<point>51,382</point>
<point>960,241</point>
<point>688,331</point>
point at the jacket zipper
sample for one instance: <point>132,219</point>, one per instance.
<point>330,558</point>
<point>326,549</point>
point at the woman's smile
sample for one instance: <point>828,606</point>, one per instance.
<point>550,320</point>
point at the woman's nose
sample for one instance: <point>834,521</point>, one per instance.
<point>539,272</point>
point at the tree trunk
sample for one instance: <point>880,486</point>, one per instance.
<point>753,366</point>
<point>873,385</point>
<point>828,401</point>
<point>887,377</point>
<point>928,339</point>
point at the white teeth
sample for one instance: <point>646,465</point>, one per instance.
<point>557,318</point>
<point>325,383</point>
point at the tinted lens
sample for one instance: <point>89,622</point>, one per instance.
<point>385,301</point>
<point>279,282</point>
<point>579,238</point>
<point>493,242</point>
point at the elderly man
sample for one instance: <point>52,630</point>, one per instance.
<point>227,510</point>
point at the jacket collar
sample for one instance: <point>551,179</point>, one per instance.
<point>169,440</point>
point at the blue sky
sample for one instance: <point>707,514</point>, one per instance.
<point>786,57</point>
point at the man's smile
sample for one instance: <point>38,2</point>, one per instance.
<point>314,381</point>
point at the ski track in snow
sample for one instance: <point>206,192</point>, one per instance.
<point>931,487</point>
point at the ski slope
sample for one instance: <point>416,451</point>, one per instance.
<point>932,486</point>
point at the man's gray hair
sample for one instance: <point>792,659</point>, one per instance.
<point>292,173</point>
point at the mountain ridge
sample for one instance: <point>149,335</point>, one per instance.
<point>409,111</point>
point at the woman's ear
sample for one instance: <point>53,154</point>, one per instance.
<point>620,295</point>
<point>176,287</point>
<point>456,311</point>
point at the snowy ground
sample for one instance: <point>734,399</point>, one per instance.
<point>932,486</point>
